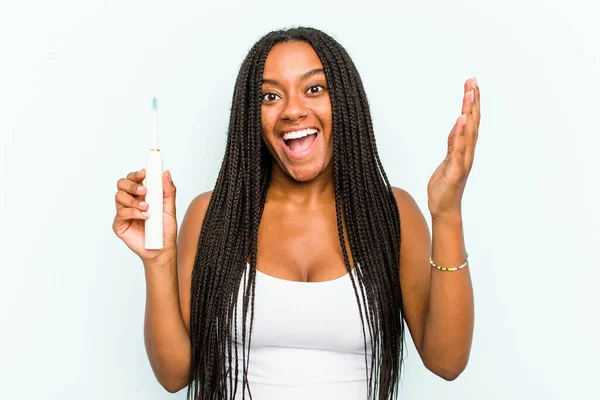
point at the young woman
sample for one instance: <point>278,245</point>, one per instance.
<point>293,278</point>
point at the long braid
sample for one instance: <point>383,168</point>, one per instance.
<point>351,152</point>
<point>372,224</point>
<point>385,210</point>
<point>349,124</point>
<point>228,242</point>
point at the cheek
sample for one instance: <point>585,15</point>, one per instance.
<point>325,116</point>
<point>267,127</point>
<point>268,117</point>
<point>327,133</point>
<point>264,122</point>
<point>269,137</point>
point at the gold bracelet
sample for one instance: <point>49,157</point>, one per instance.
<point>449,269</point>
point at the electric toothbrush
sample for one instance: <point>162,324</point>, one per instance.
<point>153,229</point>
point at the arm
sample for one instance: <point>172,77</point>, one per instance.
<point>438,305</point>
<point>166,324</point>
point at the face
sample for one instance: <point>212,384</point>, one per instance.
<point>296,111</point>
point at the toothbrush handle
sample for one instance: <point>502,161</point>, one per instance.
<point>153,229</point>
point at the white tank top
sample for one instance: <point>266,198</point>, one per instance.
<point>307,340</point>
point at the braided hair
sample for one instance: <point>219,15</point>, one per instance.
<point>228,238</point>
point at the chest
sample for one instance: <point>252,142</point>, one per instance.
<point>301,246</point>
<point>306,315</point>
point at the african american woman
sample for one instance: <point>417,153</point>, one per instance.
<point>294,277</point>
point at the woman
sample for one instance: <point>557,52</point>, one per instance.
<point>304,243</point>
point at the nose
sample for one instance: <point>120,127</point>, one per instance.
<point>294,109</point>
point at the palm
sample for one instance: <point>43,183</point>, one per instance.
<point>447,175</point>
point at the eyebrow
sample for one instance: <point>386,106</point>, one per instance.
<point>305,75</point>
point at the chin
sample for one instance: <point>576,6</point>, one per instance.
<point>307,172</point>
<point>303,173</point>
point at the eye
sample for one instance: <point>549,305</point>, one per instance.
<point>315,89</point>
<point>269,97</point>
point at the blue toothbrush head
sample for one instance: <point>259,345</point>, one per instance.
<point>154,104</point>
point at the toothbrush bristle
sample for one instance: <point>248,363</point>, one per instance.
<point>154,104</point>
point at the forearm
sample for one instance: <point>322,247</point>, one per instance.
<point>166,337</point>
<point>448,329</point>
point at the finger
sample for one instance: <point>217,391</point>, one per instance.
<point>450,141</point>
<point>124,199</point>
<point>468,97</point>
<point>169,193</point>
<point>458,143</point>
<point>137,176</point>
<point>476,109</point>
<point>470,137</point>
<point>127,213</point>
<point>451,137</point>
<point>476,114</point>
<point>476,106</point>
<point>133,187</point>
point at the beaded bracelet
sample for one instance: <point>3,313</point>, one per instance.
<point>449,269</point>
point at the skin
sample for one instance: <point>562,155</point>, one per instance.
<point>300,213</point>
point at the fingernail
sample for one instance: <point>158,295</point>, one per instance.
<point>170,180</point>
<point>139,172</point>
<point>472,94</point>
<point>475,84</point>
<point>140,188</point>
<point>463,119</point>
<point>145,214</point>
<point>143,204</point>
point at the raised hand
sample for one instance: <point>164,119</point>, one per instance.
<point>447,184</point>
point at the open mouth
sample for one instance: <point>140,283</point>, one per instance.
<point>299,143</point>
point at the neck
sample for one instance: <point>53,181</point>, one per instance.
<point>316,193</point>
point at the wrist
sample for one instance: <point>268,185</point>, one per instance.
<point>454,218</point>
<point>165,260</point>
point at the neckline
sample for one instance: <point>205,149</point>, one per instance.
<point>288,281</point>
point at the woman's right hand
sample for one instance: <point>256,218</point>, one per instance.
<point>129,221</point>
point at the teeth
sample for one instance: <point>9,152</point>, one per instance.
<point>299,134</point>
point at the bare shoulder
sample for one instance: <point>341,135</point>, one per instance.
<point>197,208</point>
<point>192,221</point>
<point>187,247</point>
<point>405,200</point>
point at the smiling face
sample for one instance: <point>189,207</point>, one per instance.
<point>296,111</point>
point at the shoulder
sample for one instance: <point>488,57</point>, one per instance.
<point>406,203</point>
<point>415,234</point>
<point>192,224</point>
<point>198,206</point>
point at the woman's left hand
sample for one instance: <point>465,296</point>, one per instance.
<point>448,182</point>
